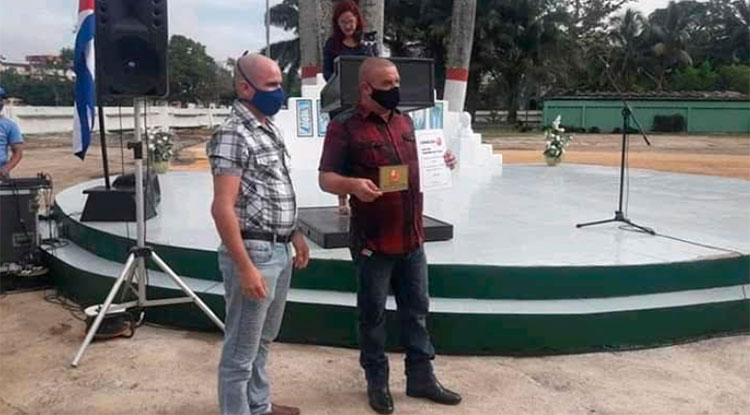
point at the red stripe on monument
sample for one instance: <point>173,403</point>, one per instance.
<point>457,74</point>
<point>85,5</point>
<point>310,71</point>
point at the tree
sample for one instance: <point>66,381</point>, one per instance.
<point>516,41</point>
<point>738,30</point>
<point>668,37</point>
<point>192,73</point>
<point>287,52</point>
<point>225,82</point>
<point>49,85</point>
<point>420,28</point>
<point>586,18</point>
<point>626,40</point>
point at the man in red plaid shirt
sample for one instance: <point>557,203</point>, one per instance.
<point>364,145</point>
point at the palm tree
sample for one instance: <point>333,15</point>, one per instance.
<point>285,15</point>
<point>669,37</point>
<point>739,30</point>
<point>515,40</point>
<point>625,36</point>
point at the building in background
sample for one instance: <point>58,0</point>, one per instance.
<point>38,66</point>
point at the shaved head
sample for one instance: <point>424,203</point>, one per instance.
<point>372,68</point>
<point>256,76</point>
<point>376,74</point>
<point>261,71</point>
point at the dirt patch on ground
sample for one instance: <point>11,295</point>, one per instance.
<point>162,371</point>
<point>53,154</point>
<point>726,156</point>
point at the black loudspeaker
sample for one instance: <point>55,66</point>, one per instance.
<point>131,47</point>
<point>118,204</point>
<point>417,84</point>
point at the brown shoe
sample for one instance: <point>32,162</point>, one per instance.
<point>284,410</point>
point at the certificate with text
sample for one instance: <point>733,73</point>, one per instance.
<point>434,174</point>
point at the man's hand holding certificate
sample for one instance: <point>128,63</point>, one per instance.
<point>435,161</point>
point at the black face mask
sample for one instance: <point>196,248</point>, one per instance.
<point>387,99</point>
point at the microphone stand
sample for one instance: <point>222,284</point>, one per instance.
<point>627,115</point>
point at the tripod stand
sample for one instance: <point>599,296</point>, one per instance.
<point>135,265</point>
<point>627,113</point>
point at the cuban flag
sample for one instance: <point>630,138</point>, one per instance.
<point>84,67</point>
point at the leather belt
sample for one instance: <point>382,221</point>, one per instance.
<point>266,236</point>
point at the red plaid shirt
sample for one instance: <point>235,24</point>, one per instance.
<point>357,143</point>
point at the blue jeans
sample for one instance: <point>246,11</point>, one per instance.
<point>406,275</point>
<point>251,326</point>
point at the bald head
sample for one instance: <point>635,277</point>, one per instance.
<point>376,74</point>
<point>372,69</point>
<point>259,72</point>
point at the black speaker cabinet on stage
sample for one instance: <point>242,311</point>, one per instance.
<point>118,204</point>
<point>417,84</point>
<point>131,47</point>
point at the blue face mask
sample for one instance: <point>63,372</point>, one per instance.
<point>267,102</point>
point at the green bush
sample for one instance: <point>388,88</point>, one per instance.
<point>703,78</point>
<point>735,78</point>
<point>674,123</point>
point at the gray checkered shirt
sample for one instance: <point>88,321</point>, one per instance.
<point>243,147</point>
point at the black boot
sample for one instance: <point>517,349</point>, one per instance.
<point>430,388</point>
<point>380,399</point>
<point>378,393</point>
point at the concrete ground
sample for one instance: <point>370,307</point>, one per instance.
<point>165,371</point>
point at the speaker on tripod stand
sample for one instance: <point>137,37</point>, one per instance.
<point>131,61</point>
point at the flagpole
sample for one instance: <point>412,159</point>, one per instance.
<point>268,29</point>
<point>105,159</point>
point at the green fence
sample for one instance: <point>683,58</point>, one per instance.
<point>700,116</point>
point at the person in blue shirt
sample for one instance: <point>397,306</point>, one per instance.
<point>10,139</point>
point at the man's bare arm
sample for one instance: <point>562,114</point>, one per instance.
<point>226,189</point>
<point>17,150</point>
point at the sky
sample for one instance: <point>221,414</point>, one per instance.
<point>226,27</point>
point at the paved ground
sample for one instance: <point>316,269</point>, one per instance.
<point>163,371</point>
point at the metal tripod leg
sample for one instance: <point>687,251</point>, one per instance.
<point>642,228</point>
<point>129,268</point>
<point>207,311</point>
<point>598,222</point>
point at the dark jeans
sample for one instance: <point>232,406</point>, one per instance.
<point>406,275</point>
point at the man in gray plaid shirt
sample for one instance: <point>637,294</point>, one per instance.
<point>255,212</point>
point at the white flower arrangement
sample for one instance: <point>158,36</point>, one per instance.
<point>160,144</point>
<point>557,141</point>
